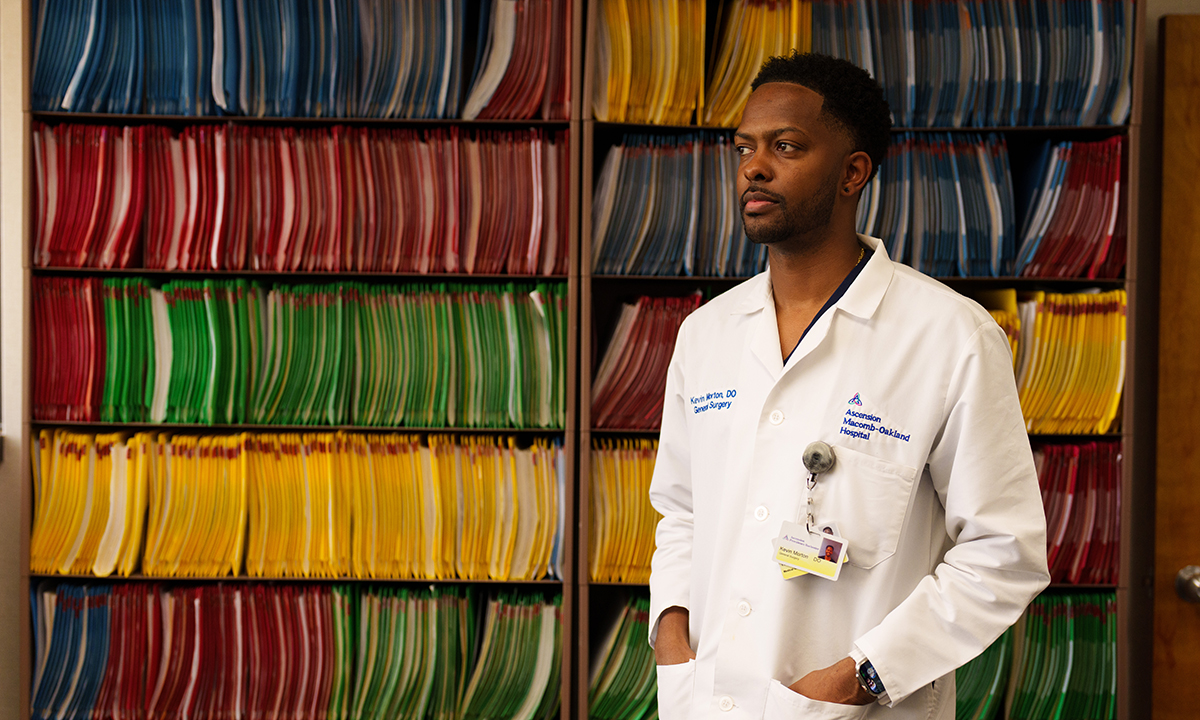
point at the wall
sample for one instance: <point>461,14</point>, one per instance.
<point>14,596</point>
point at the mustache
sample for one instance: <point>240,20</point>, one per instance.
<point>761,191</point>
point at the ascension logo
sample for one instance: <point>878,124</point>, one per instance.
<point>862,424</point>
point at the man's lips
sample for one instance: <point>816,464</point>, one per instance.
<point>755,201</point>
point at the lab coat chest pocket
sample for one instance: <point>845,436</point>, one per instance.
<point>868,498</point>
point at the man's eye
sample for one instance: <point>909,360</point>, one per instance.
<point>743,150</point>
<point>787,147</point>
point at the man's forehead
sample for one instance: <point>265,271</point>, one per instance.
<point>781,104</point>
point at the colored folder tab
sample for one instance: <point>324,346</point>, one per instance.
<point>1081,495</point>
<point>90,497</point>
<point>68,385</point>
<point>73,630</point>
<point>621,539</point>
<point>1070,364</point>
<point>518,668</point>
<point>748,33</point>
<point>90,194</point>
<point>1073,212</point>
<point>627,389</point>
<point>623,681</point>
<point>944,204</point>
<point>650,61</point>
<point>1064,658</point>
<point>514,76</point>
<point>666,205</point>
<point>197,507</point>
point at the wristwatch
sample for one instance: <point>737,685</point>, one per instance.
<point>869,680</point>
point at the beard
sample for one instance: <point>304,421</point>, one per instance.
<point>809,214</point>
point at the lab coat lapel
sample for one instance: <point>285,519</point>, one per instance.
<point>861,299</point>
<point>758,306</point>
<point>765,341</point>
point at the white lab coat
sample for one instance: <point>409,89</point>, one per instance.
<point>936,495</point>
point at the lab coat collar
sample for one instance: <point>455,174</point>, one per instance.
<point>866,292</point>
<point>861,298</point>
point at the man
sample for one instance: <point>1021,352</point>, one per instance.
<point>932,488</point>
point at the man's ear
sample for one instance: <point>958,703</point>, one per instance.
<point>855,174</point>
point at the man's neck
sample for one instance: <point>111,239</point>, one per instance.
<point>804,275</point>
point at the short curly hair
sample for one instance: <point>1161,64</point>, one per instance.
<point>854,102</point>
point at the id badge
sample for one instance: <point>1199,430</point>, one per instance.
<point>790,572</point>
<point>818,553</point>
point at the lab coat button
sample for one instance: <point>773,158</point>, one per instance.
<point>761,513</point>
<point>725,703</point>
<point>776,417</point>
<point>743,608</point>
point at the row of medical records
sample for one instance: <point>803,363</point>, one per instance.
<point>1074,223</point>
<point>622,521</point>
<point>1058,661</point>
<point>649,60</point>
<point>290,505</point>
<point>232,351</point>
<point>977,63</point>
<point>944,203</point>
<point>627,391</point>
<point>1069,356</point>
<point>1081,493</point>
<point>241,651</point>
<point>650,57</point>
<point>948,205</point>
<point>668,205</point>
<point>284,199</point>
<point>941,63</point>
<point>307,58</point>
<point>623,684</point>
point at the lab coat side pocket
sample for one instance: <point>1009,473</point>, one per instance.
<point>675,687</point>
<point>868,498</point>
<point>784,704</point>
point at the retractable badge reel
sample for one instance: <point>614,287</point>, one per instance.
<point>805,550</point>
<point>818,458</point>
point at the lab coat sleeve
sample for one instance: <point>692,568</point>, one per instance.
<point>983,472</point>
<point>671,496</point>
